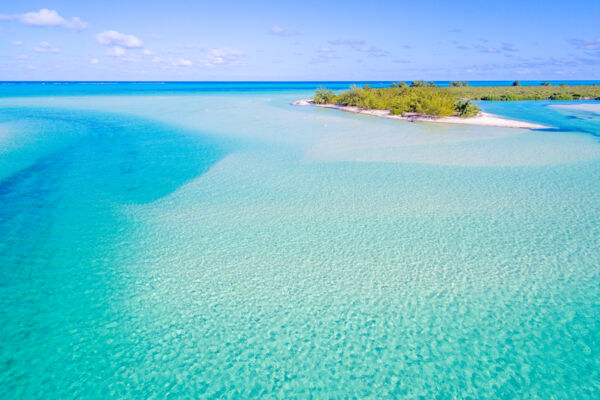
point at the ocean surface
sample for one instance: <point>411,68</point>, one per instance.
<point>209,240</point>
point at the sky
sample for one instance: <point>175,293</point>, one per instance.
<point>300,40</point>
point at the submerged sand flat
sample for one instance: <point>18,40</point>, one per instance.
<point>227,236</point>
<point>483,119</point>
<point>589,107</point>
<point>323,136</point>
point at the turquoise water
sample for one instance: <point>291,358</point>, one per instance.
<point>192,243</point>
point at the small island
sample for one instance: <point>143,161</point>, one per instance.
<point>424,101</point>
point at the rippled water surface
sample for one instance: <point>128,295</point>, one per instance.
<point>192,243</point>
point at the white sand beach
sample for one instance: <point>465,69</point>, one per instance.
<point>483,119</point>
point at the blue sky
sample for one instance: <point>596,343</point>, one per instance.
<point>302,40</point>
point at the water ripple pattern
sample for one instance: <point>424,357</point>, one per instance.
<point>156,244</point>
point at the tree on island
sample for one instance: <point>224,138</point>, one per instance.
<point>423,99</point>
<point>466,109</point>
<point>324,96</point>
<point>517,83</point>
<point>459,84</point>
<point>546,84</point>
<point>422,84</point>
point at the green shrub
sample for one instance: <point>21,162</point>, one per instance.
<point>422,84</point>
<point>423,98</point>
<point>459,83</point>
<point>546,84</point>
<point>561,96</point>
<point>323,96</point>
<point>465,108</point>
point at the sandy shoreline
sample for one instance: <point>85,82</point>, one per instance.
<point>483,119</point>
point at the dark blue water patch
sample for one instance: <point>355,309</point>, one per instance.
<point>64,235</point>
<point>120,159</point>
<point>63,206</point>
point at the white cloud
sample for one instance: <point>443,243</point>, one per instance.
<point>46,17</point>
<point>45,47</point>
<point>115,51</point>
<point>17,43</point>
<point>175,62</point>
<point>356,44</point>
<point>94,61</point>
<point>279,31</point>
<point>360,46</point>
<point>224,56</point>
<point>213,57</point>
<point>323,58</point>
<point>114,38</point>
<point>586,44</point>
<point>182,62</point>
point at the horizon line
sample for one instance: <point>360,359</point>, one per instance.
<point>299,81</point>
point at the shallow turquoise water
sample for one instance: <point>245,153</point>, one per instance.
<point>226,244</point>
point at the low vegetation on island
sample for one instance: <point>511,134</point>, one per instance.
<point>426,98</point>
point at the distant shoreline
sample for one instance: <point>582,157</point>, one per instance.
<point>482,119</point>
